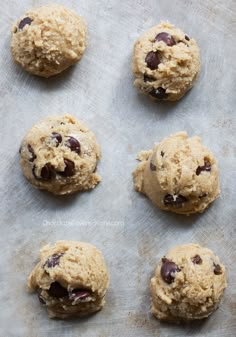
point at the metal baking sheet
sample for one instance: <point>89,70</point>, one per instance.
<point>130,231</point>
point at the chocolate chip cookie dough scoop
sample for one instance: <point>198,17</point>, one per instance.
<point>71,279</point>
<point>179,175</point>
<point>49,39</point>
<point>166,62</point>
<point>60,154</point>
<point>188,284</point>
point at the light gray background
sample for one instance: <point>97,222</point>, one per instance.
<point>131,232</point>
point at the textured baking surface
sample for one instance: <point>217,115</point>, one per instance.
<point>130,231</point>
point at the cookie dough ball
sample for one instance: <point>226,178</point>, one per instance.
<point>59,154</point>
<point>71,279</point>
<point>188,284</point>
<point>166,62</point>
<point>179,175</point>
<point>49,39</point>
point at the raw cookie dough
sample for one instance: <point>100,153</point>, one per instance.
<point>179,175</point>
<point>59,154</point>
<point>188,284</point>
<point>166,62</point>
<point>49,39</point>
<point>71,279</point>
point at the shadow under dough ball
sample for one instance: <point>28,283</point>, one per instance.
<point>179,175</point>
<point>166,62</point>
<point>48,40</point>
<point>60,154</point>
<point>188,284</point>
<point>71,279</point>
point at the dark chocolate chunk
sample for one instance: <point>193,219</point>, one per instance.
<point>197,259</point>
<point>159,93</point>
<point>217,269</point>
<point>79,295</point>
<point>167,38</point>
<point>57,137</point>
<point>153,167</point>
<point>180,199</point>
<point>206,167</point>
<point>69,170</point>
<point>169,200</point>
<point>32,154</point>
<point>53,260</point>
<point>24,22</point>
<point>187,38</point>
<point>56,290</point>
<point>48,172</point>
<point>153,60</point>
<point>168,270</point>
<point>176,200</point>
<point>162,153</point>
<point>73,144</point>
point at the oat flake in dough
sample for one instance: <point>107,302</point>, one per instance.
<point>60,154</point>
<point>71,279</point>
<point>188,284</point>
<point>166,62</point>
<point>49,39</point>
<point>179,175</point>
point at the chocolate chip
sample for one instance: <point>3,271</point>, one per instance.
<point>24,22</point>
<point>187,38</point>
<point>168,270</point>
<point>180,199</point>
<point>206,167</point>
<point>153,167</point>
<point>20,149</point>
<point>69,170</point>
<point>79,295</point>
<point>31,151</point>
<point>53,260</point>
<point>174,200</point>
<point>48,172</point>
<point>169,200</point>
<point>167,38</point>
<point>153,60</point>
<point>197,259</point>
<point>148,78</point>
<point>217,269</point>
<point>56,290</point>
<point>159,93</point>
<point>73,144</point>
<point>162,153</point>
<point>57,137</point>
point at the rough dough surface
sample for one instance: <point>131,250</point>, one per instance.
<point>179,175</point>
<point>71,279</point>
<point>48,39</point>
<point>188,284</point>
<point>166,62</point>
<point>59,154</point>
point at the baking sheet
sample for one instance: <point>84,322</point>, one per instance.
<point>130,231</point>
